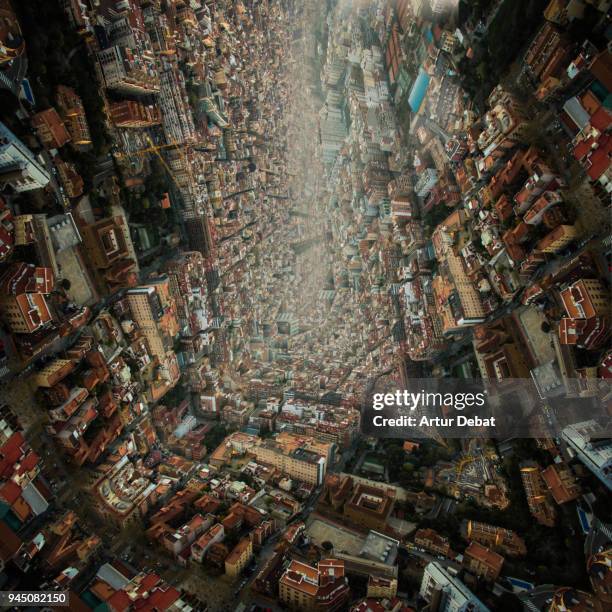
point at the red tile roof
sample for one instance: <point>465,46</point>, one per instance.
<point>119,601</point>
<point>581,150</point>
<point>601,119</point>
<point>160,599</point>
<point>30,462</point>
<point>9,542</point>
<point>601,69</point>
<point>10,492</point>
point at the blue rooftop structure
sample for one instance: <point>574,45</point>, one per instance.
<point>520,585</point>
<point>418,91</point>
<point>27,91</point>
<point>585,524</point>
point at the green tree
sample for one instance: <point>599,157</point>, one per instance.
<point>215,436</point>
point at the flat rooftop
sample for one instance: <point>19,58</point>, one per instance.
<point>343,539</point>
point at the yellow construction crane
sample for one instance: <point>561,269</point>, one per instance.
<point>163,161</point>
<point>153,148</point>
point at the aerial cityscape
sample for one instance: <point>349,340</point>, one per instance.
<point>227,225</point>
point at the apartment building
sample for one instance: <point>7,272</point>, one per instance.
<point>587,442</point>
<point>300,463</point>
<point>547,52</point>
<point>177,119</point>
<point>482,561</point>
<point>73,114</point>
<point>458,300</point>
<point>50,129</point>
<point>152,309</point>
<point>105,242</point>
<point>239,557</point>
<point>369,507</point>
<point>382,588</point>
<point>431,540</point>
<point>538,498</point>
<point>308,588</point>
<point>128,72</point>
<point>70,179</point>
<point>211,536</point>
<point>23,302</point>
<point>506,541</point>
<point>445,592</point>
<point>12,43</point>
<point>134,114</point>
<point>53,372</point>
<point>302,458</point>
<point>18,166</point>
<point>561,483</point>
<point>586,323</point>
<point>557,239</point>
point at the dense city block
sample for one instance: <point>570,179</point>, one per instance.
<point>226,224</point>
